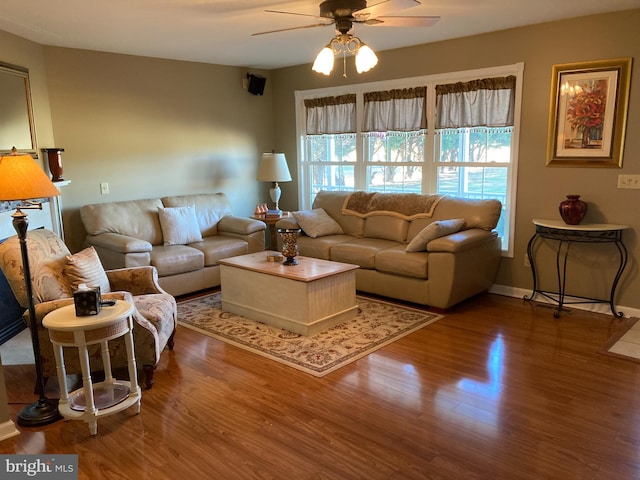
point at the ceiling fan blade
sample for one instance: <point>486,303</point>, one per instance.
<point>293,28</point>
<point>296,13</point>
<point>398,21</point>
<point>382,7</point>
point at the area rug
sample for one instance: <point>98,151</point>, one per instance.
<point>376,324</point>
<point>626,344</point>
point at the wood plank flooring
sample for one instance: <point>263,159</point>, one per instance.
<point>498,389</point>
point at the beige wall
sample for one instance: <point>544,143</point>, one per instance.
<point>540,188</point>
<point>153,127</point>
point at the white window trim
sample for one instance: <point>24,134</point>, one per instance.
<point>430,81</point>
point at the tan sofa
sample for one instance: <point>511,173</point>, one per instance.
<point>375,234</point>
<point>130,233</point>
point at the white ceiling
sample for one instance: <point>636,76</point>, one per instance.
<point>219,31</point>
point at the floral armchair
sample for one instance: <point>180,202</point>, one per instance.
<point>56,274</point>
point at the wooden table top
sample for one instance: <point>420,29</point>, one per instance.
<point>307,270</point>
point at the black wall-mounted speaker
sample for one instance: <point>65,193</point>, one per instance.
<point>256,84</point>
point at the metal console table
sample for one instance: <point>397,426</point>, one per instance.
<point>568,234</point>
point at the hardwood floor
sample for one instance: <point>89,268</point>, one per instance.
<point>498,389</point>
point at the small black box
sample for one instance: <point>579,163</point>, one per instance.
<point>87,301</point>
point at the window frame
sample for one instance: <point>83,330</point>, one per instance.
<point>429,166</point>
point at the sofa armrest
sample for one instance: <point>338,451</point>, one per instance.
<point>461,241</point>
<point>288,222</point>
<point>119,243</point>
<point>239,225</point>
<point>136,280</point>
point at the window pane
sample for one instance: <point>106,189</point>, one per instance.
<point>332,178</point>
<point>396,146</point>
<point>332,148</point>
<point>397,179</point>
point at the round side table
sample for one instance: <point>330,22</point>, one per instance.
<point>107,397</point>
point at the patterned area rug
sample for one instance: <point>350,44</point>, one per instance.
<point>377,324</point>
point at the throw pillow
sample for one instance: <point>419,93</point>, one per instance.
<point>179,225</point>
<point>434,230</point>
<point>317,223</point>
<point>85,267</point>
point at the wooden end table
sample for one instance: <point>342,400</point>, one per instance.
<point>107,397</point>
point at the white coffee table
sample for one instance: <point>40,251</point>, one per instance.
<point>305,298</point>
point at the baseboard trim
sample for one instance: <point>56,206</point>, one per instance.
<point>8,430</point>
<point>507,291</point>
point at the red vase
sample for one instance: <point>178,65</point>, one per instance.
<point>54,156</point>
<point>572,210</point>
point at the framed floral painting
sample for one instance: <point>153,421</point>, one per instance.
<point>588,113</point>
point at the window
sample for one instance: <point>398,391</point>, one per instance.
<point>454,134</point>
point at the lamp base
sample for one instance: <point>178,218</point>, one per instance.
<point>42,412</point>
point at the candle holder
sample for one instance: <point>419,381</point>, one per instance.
<point>289,244</point>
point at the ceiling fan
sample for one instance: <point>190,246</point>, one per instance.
<point>344,13</point>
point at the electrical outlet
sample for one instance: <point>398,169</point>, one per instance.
<point>629,181</point>
<point>104,188</point>
<point>527,263</point>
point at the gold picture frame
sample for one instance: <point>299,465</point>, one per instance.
<point>588,113</point>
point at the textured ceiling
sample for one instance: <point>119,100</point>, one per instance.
<point>219,31</point>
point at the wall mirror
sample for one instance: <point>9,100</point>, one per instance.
<point>16,115</point>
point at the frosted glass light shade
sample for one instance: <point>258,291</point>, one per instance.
<point>366,59</point>
<point>324,61</point>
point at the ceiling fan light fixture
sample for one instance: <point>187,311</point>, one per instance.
<point>366,58</point>
<point>324,61</point>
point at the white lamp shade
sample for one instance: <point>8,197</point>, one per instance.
<point>273,168</point>
<point>324,61</point>
<point>366,59</point>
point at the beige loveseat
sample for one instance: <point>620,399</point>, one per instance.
<point>184,237</point>
<point>374,231</point>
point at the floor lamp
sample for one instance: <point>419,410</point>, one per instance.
<point>22,179</point>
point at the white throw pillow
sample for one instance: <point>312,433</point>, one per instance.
<point>434,230</point>
<point>317,223</point>
<point>85,268</point>
<point>179,225</point>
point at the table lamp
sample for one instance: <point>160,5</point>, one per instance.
<point>22,179</point>
<point>273,168</point>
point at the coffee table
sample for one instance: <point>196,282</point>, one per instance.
<point>305,298</point>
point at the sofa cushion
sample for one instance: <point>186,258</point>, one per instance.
<point>360,251</point>
<point>386,227</point>
<point>218,247</point>
<point>85,268</point>
<point>210,208</point>
<point>332,203</point>
<point>135,218</point>
<point>179,225</point>
<point>437,229</point>
<point>398,261</point>
<point>320,247</point>
<point>317,223</point>
<point>174,259</point>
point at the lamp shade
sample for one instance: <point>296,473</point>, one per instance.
<point>273,168</point>
<point>22,179</point>
<point>324,61</point>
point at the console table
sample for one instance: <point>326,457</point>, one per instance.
<point>566,235</point>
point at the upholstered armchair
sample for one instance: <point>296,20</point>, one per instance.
<point>56,274</point>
